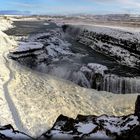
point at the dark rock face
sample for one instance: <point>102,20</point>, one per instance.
<point>41,49</point>
<point>94,127</point>
<point>50,53</point>
<point>123,46</point>
<point>8,133</point>
<point>137,107</point>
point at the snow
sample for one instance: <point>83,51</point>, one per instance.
<point>46,24</point>
<point>94,127</point>
<point>56,46</point>
<point>114,32</point>
<point>54,96</point>
<point>14,135</point>
<point>123,55</point>
<point>85,128</point>
<point>98,68</point>
<point>126,57</point>
<point>5,23</point>
<point>6,42</point>
<point>84,77</point>
<point>99,135</point>
<point>24,46</point>
<point>114,124</point>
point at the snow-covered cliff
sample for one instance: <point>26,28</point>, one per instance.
<point>122,45</point>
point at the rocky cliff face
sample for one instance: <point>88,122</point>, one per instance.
<point>93,127</point>
<point>41,48</point>
<point>123,46</point>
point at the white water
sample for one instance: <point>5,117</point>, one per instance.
<point>116,84</point>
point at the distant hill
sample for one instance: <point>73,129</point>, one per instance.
<point>14,12</point>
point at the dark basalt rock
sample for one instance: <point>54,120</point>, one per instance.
<point>64,27</point>
<point>137,107</point>
<point>97,78</point>
<point>8,133</point>
<point>120,49</point>
<point>98,129</point>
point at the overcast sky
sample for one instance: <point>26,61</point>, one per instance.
<point>73,6</point>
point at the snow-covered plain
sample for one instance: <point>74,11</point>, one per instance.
<point>40,99</point>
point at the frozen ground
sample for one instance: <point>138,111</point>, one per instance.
<point>39,99</point>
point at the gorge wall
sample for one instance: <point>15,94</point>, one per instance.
<point>123,46</point>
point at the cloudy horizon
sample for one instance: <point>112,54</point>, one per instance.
<point>73,6</point>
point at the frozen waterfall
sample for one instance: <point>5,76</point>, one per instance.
<point>116,84</point>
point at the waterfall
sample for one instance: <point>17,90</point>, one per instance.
<point>121,85</point>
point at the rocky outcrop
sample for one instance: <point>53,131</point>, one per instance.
<point>90,75</point>
<point>40,48</point>
<point>49,52</point>
<point>8,133</point>
<point>94,127</point>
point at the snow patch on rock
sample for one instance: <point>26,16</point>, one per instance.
<point>92,127</point>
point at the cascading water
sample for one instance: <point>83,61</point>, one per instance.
<point>122,85</point>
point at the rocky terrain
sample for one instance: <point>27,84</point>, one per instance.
<point>8,133</point>
<point>122,45</point>
<point>45,47</point>
<point>102,127</point>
